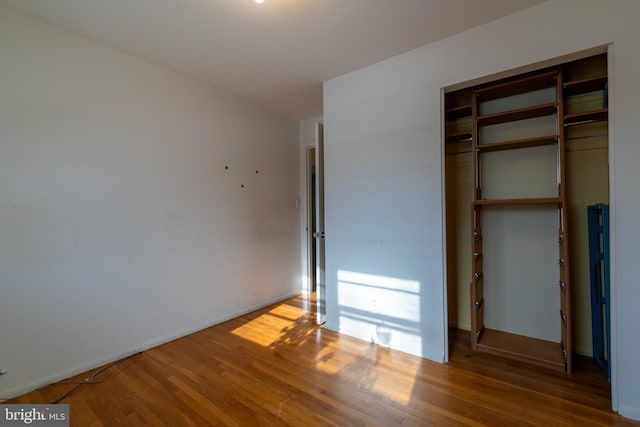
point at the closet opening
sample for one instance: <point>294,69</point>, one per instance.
<point>525,158</point>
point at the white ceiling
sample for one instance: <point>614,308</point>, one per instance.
<point>276,54</point>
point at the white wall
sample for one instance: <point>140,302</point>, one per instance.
<point>384,169</point>
<point>119,226</point>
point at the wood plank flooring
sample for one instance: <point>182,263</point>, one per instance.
<point>275,367</point>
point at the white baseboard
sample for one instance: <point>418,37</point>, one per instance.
<point>84,367</point>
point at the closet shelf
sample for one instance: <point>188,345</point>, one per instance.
<point>521,143</point>
<point>586,117</point>
<point>517,86</point>
<point>527,201</point>
<point>519,114</point>
<point>585,85</point>
<point>535,351</point>
<point>457,112</point>
<point>457,137</point>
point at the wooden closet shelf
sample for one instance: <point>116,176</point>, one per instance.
<point>457,112</point>
<point>521,143</point>
<point>586,117</point>
<point>585,85</point>
<point>525,349</point>
<point>528,201</point>
<point>519,114</point>
<point>456,137</point>
<point>517,86</point>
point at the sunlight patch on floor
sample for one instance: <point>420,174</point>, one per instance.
<point>288,311</point>
<point>387,385</point>
<point>270,327</point>
<point>328,362</point>
<point>374,369</point>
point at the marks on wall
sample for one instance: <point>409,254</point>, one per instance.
<point>245,179</point>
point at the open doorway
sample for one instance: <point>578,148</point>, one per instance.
<point>314,159</point>
<point>311,221</point>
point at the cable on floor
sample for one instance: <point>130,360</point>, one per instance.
<point>91,379</point>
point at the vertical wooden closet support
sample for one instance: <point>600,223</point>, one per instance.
<point>563,237</point>
<point>477,281</point>
<point>532,350</point>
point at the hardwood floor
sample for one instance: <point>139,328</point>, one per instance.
<point>276,367</point>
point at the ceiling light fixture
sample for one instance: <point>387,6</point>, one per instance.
<point>259,1</point>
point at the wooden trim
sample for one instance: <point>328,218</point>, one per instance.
<point>457,137</point>
<point>586,117</point>
<point>591,84</point>
<point>476,292</point>
<point>539,352</point>
<point>519,114</point>
<point>528,201</point>
<point>563,237</point>
<point>458,112</point>
<point>517,86</point>
<point>476,142</point>
<point>521,143</point>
